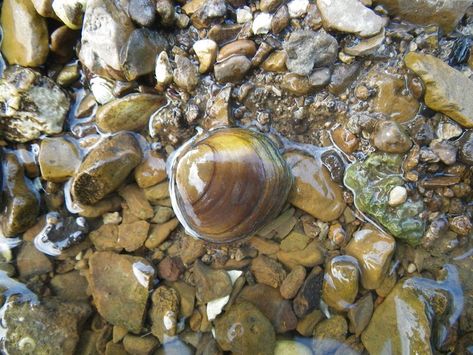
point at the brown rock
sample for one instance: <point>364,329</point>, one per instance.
<point>160,232</point>
<point>243,47</point>
<point>71,286</point>
<point>31,262</point>
<point>133,235</point>
<point>329,335</point>
<point>105,168</point>
<point>186,75</point>
<point>232,69</point>
<point>119,295</point>
<point>345,140</point>
<point>220,112</point>
<point>267,271</point>
<point>25,34</point>
<point>272,305</point>
<point>58,159</point>
<point>313,190</point>
<point>264,246</point>
<point>276,62</point>
<point>151,171</point>
<point>140,345</point>
<point>293,282</point>
<point>105,238</point>
<point>307,324</point>
<point>211,284</point>
<point>157,192</point>
<point>310,256</point>
<point>223,34</point>
<point>343,76</point>
<point>308,297</point>
<point>269,5</point>
<point>186,297</point>
<point>360,314</point>
<point>164,313</point>
<point>191,249</point>
<point>280,20</point>
<point>296,84</point>
<point>170,268</point>
<point>136,200</point>
<point>295,241</point>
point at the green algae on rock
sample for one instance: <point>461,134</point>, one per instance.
<point>371,181</point>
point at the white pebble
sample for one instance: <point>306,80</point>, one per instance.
<point>163,70</point>
<point>206,51</point>
<point>111,218</point>
<point>262,23</point>
<point>448,130</point>
<point>411,268</point>
<point>244,15</point>
<point>102,89</point>
<point>397,196</point>
<point>297,8</point>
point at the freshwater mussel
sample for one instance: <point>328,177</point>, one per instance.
<point>228,183</point>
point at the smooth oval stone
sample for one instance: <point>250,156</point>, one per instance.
<point>313,190</point>
<point>105,168</point>
<point>290,347</point>
<point>130,113</point>
<point>58,159</point>
<point>244,47</point>
<point>25,34</point>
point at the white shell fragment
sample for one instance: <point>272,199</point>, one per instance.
<point>163,70</point>
<point>215,307</point>
<point>102,89</point>
<point>262,23</point>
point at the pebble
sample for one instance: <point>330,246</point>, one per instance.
<point>25,34</point>
<point>345,140</point>
<point>71,13</point>
<point>131,236</point>
<point>294,241</point>
<point>343,76</point>
<point>270,5</point>
<point>267,271</point>
<point>232,69</point>
<point>350,16</point>
<point>461,225</point>
<point>31,262</point>
<point>366,46</point>
<point>164,313</point>
<point>262,23</point>
<point>290,347</point>
<point>307,49</point>
<point>445,87</point>
<point>102,89</point>
<point>118,280</point>
<point>397,196</point>
<point>58,158</point>
<point>212,11</point>
<point>105,168</point>
<point>391,137</point>
<point>170,268</point>
<point>297,8</point>
<point>244,15</point>
<point>280,20</point>
<point>44,7</point>
<point>160,232</point>
<point>306,324</point>
<point>360,314</point>
<point>448,130</point>
<point>71,286</point>
<point>320,78</point>
<point>163,69</point>
<point>151,171</point>
<point>373,250</point>
<point>244,47</point>
<point>310,256</point>
<point>186,297</point>
<point>186,75</point>
<point>445,150</point>
<point>166,12</point>
<point>206,52</point>
<point>465,150</point>
<point>211,284</point>
<point>130,113</point>
<point>140,345</point>
<point>329,335</point>
<point>252,327</point>
<point>296,84</point>
<point>309,296</point>
<point>292,283</point>
<point>142,12</point>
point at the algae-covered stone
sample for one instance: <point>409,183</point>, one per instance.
<point>446,90</point>
<point>340,285</point>
<point>49,327</point>
<point>129,113</point>
<point>22,202</point>
<point>105,167</point>
<point>313,190</point>
<point>30,104</point>
<point>120,288</point>
<point>25,34</point>
<point>243,329</point>
<point>371,182</point>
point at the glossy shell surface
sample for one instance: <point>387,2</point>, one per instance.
<point>227,184</point>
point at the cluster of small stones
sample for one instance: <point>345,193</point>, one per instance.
<point>360,76</point>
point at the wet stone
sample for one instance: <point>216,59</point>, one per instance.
<point>292,283</point>
<point>160,232</point>
<point>391,137</point>
<point>151,171</point>
<point>308,297</point>
<point>244,47</point>
<point>306,324</point>
<point>211,284</point>
<point>132,236</point>
<point>270,5</point>
<point>185,74</point>
<point>25,34</point>
<point>310,256</point>
<point>31,262</point>
<point>343,76</point>
<point>267,271</point>
<point>140,345</point>
<point>164,312</point>
<point>165,10</point>
<point>52,326</point>
<point>186,297</point>
<point>252,326</point>
<point>206,51</point>
<point>280,20</point>
<point>308,49</point>
<point>71,286</point>
<point>105,167</point>
<point>105,238</point>
<point>170,268</point>
<point>296,84</point>
<point>360,314</point>
<point>211,12</point>
<point>446,151</point>
<point>31,104</point>
<point>232,69</point>
<point>119,285</point>
<point>136,200</point>
<point>142,12</point>
<point>329,335</point>
<point>58,159</point>
<point>288,347</point>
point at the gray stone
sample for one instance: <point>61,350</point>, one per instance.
<point>143,12</point>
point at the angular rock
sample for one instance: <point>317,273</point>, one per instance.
<point>350,16</point>
<point>211,284</point>
<point>164,313</point>
<point>295,241</point>
<point>252,327</point>
<point>308,297</point>
<point>136,201</point>
<point>465,151</point>
<point>445,14</point>
<point>143,12</point>
<point>373,250</point>
<point>446,89</point>
<point>343,76</point>
<point>105,238</point>
<point>22,202</point>
<point>267,271</point>
<point>131,236</point>
<point>105,32</point>
<point>313,190</point>
<point>105,167</point>
<point>186,297</point>
<point>25,34</point>
<point>340,285</point>
<point>360,314</point>
<point>49,327</point>
<point>308,49</point>
<point>151,171</point>
<point>58,158</point>
<point>31,262</point>
<point>329,335</point>
<point>120,286</point>
<point>31,104</point>
<point>292,283</point>
<point>170,268</point>
<point>206,51</point>
<point>185,74</point>
<point>160,232</point>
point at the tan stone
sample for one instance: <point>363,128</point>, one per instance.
<point>136,200</point>
<point>244,47</point>
<point>306,325</point>
<point>157,192</point>
<point>58,159</point>
<point>313,190</point>
<point>132,236</point>
<point>151,171</point>
<point>310,256</point>
<point>267,271</point>
<point>446,89</point>
<point>276,62</point>
<point>160,232</point>
<point>25,34</point>
<point>294,241</point>
<point>264,246</point>
<point>292,283</point>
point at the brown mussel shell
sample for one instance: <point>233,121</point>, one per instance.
<point>228,184</point>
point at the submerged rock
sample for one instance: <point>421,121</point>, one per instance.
<point>243,329</point>
<point>211,284</point>
<point>50,327</point>
<point>120,287</point>
<point>25,34</point>
<point>371,182</point>
<point>22,202</point>
<point>30,104</point>
<point>446,89</point>
<point>59,157</point>
<point>105,167</point>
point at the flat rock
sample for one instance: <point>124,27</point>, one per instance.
<point>120,287</point>
<point>136,200</point>
<point>186,75</point>
<point>350,16</point>
<point>129,113</point>
<point>53,326</point>
<point>58,158</point>
<point>329,335</point>
<point>25,34</point>
<point>313,190</point>
<point>105,238</point>
<point>292,283</point>
<point>106,29</point>
<point>31,262</point>
<point>446,89</point>
<point>105,167</point>
<point>131,236</point>
<point>151,171</point>
<point>31,104</point>
<point>360,314</point>
<point>310,256</point>
<point>445,14</point>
